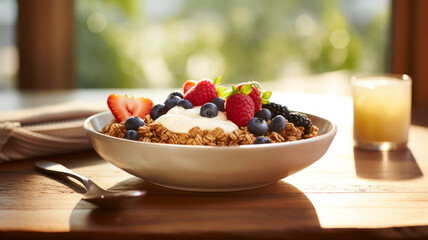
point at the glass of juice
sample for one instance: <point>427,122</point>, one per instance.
<point>382,109</point>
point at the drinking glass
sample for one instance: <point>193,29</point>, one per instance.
<point>382,109</point>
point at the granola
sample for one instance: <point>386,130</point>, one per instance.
<point>155,133</point>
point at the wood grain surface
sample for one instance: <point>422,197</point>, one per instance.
<point>347,194</point>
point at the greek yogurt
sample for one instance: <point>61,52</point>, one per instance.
<point>180,120</point>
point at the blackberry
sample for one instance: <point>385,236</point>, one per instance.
<point>300,120</point>
<point>276,109</point>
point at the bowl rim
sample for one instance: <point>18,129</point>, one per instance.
<point>328,134</point>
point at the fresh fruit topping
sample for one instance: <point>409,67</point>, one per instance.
<point>262,140</point>
<point>124,107</point>
<point>264,114</point>
<point>239,107</point>
<point>277,124</point>
<point>131,135</point>
<point>184,103</point>
<point>188,85</point>
<point>157,111</point>
<point>219,102</point>
<point>277,109</point>
<point>133,123</point>
<point>204,91</point>
<point>209,110</point>
<point>300,120</point>
<point>175,94</point>
<point>257,126</point>
<point>256,95</point>
<point>171,102</point>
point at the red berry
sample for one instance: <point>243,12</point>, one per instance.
<point>239,109</point>
<point>204,91</point>
<point>124,107</point>
<point>255,96</point>
<point>188,85</point>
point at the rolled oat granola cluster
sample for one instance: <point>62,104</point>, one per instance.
<point>156,133</point>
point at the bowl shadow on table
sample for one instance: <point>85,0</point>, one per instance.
<point>275,208</point>
<point>386,165</point>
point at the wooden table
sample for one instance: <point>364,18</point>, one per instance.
<point>347,194</point>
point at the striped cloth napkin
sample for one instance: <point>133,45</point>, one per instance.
<point>45,130</point>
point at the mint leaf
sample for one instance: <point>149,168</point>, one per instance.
<point>217,80</point>
<point>266,95</point>
<point>221,91</point>
<point>235,89</point>
<point>264,101</point>
<point>227,94</point>
<point>246,89</point>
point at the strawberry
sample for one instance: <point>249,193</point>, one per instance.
<point>124,107</point>
<point>204,91</point>
<point>256,95</point>
<point>188,85</point>
<point>239,106</point>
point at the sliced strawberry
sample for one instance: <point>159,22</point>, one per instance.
<point>204,91</point>
<point>124,107</point>
<point>188,85</point>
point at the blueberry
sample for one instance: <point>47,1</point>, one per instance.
<point>157,111</point>
<point>171,102</point>
<point>131,135</point>
<point>263,113</point>
<point>209,110</point>
<point>262,140</point>
<point>277,124</point>
<point>133,123</point>
<point>219,102</point>
<point>257,126</point>
<point>184,103</point>
<point>175,94</point>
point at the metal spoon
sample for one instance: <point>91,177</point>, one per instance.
<point>94,194</point>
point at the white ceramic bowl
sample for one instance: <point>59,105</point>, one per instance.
<point>209,168</point>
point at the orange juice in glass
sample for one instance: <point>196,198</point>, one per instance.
<point>382,109</point>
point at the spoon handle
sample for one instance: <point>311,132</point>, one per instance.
<point>60,169</point>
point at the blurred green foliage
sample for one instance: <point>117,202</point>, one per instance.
<point>162,43</point>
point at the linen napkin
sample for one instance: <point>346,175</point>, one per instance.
<point>45,130</point>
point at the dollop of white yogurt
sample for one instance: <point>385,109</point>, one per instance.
<point>180,120</point>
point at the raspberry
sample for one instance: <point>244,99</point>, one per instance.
<point>277,109</point>
<point>239,109</point>
<point>204,91</point>
<point>255,96</point>
<point>300,120</point>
